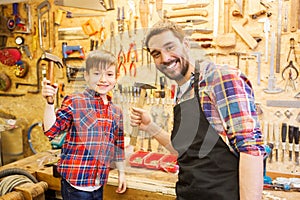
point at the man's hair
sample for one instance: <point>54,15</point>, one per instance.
<point>100,59</point>
<point>163,26</point>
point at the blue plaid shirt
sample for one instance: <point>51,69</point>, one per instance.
<point>95,138</point>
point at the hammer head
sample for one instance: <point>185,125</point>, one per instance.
<point>144,85</point>
<point>52,58</point>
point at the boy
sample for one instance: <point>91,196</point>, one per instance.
<point>94,128</point>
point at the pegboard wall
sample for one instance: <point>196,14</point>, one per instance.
<point>231,33</point>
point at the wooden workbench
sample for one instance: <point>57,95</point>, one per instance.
<point>142,184</point>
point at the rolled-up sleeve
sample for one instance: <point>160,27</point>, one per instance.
<point>235,100</point>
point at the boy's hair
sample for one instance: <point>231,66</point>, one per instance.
<point>100,59</point>
<point>163,26</point>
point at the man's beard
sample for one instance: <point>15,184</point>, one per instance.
<point>183,72</point>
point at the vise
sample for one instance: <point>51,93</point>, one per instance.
<point>67,50</point>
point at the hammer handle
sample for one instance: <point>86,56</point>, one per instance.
<point>187,13</point>
<point>135,130</point>
<point>50,76</point>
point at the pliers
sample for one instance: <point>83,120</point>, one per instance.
<point>121,61</point>
<point>133,57</point>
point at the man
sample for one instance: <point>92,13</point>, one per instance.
<point>216,133</point>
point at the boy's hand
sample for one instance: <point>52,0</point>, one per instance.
<point>49,91</point>
<point>122,183</point>
<point>139,117</point>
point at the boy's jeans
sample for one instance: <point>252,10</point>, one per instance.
<point>70,193</point>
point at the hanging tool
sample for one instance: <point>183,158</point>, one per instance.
<point>285,21</point>
<point>294,9</point>
<point>296,148</point>
<point>258,61</point>
<point>276,138</point>
<point>283,139</point>
<point>132,55</point>
<point>102,34</point>
<point>271,141</point>
<point>244,34</point>
<point>290,78</point>
<point>216,18</point>
<point>43,9</point>
<point>112,43</point>
<point>247,58</point>
<point>238,8</point>
<point>16,20</point>
<point>255,9</point>
<point>111,5</point>
<point>291,142</point>
<point>185,13</point>
<point>292,48</point>
<point>120,20</point>
<point>121,61</point>
<point>90,4</point>
<point>144,13</point>
<point>159,6</point>
<point>190,5</point>
<point>226,39</point>
<point>272,89</point>
<point>267,29</point>
<point>238,55</point>
<point>279,27</point>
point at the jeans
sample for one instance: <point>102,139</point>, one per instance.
<point>70,193</point>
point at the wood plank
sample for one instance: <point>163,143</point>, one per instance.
<point>294,9</point>
<point>245,35</point>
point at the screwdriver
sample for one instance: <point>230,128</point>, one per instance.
<point>271,140</point>
<point>283,138</point>
<point>291,137</point>
<point>296,137</point>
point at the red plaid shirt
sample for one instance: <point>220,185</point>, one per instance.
<point>95,138</point>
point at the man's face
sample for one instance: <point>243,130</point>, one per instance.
<point>101,80</point>
<point>170,55</point>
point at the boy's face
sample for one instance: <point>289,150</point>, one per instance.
<point>101,80</point>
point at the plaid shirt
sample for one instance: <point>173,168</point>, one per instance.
<point>95,138</point>
<point>227,99</point>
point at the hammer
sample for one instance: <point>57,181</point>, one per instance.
<point>238,54</point>
<point>52,59</point>
<point>140,104</point>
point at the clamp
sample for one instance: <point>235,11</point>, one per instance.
<point>292,48</point>
<point>121,60</point>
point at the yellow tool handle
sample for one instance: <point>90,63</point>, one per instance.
<point>187,13</point>
<point>196,5</point>
<point>58,16</point>
<point>50,76</point>
<point>144,14</point>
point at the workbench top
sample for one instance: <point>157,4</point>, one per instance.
<point>142,183</point>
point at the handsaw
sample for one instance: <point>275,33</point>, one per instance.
<point>91,4</point>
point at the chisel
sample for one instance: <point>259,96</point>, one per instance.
<point>291,137</point>
<point>283,139</point>
<point>296,137</point>
<point>276,138</point>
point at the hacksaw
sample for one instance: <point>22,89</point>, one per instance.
<point>91,4</point>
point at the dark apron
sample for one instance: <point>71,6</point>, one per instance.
<point>208,170</point>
